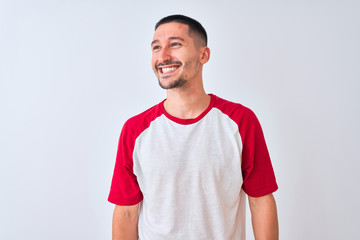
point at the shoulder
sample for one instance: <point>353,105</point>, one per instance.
<point>140,122</point>
<point>236,111</point>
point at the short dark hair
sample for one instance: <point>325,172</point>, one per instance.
<point>194,26</point>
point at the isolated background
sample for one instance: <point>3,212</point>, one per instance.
<point>71,73</point>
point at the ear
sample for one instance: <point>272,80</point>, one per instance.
<point>205,55</point>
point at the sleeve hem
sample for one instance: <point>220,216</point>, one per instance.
<point>262,192</point>
<point>126,202</point>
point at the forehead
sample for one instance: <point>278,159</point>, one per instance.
<point>172,29</point>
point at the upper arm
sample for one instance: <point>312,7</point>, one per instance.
<point>258,174</point>
<point>125,222</point>
<point>262,202</point>
<point>124,188</point>
<point>264,217</point>
<point>130,212</point>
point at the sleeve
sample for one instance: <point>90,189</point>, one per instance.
<point>124,188</point>
<point>258,174</point>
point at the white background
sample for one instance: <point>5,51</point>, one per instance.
<point>71,73</point>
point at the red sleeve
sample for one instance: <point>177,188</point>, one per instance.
<point>124,186</point>
<point>258,175</point>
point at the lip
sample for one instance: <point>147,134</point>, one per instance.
<point>160,69</point>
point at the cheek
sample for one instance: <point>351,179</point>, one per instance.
<point>154,56</point>
<point>191,64</point>
<point>153,62</point>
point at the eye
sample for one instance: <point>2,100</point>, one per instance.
<point>175,44</point>
<point>156,47</point>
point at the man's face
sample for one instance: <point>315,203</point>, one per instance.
<point>175,56</point>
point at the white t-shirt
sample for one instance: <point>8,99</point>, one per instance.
<point>191,175</point>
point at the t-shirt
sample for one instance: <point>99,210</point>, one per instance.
<point>191,175</point>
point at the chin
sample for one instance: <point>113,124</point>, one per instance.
<point>178,83</point>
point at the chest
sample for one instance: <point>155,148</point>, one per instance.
<point>209,150</point>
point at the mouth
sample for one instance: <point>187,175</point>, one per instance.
<point>169,68</point>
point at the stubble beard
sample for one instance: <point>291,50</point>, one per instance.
<point>178,83</point>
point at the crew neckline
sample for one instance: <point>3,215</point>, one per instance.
<point>188,121</point>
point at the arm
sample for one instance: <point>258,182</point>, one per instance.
<point>125,222</point>
<point>264,217</point>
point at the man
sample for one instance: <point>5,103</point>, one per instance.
<point>184,166</point>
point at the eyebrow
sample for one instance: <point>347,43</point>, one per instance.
<point>171,38</point>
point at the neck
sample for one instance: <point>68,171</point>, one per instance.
<point>186,103</point>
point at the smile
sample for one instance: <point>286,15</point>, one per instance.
<point>168,69</point>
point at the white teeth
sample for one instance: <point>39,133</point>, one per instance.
<point>165,70</point>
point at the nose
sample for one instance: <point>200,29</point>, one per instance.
<point>164,55</point>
